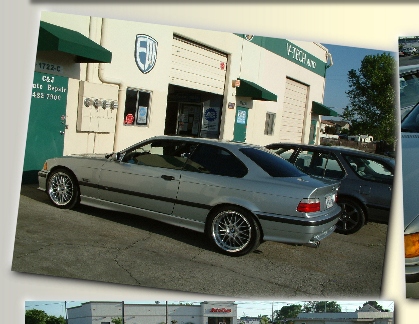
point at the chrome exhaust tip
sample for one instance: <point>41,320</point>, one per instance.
<point>313,244</point>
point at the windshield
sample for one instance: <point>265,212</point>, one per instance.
<point>410,123</point>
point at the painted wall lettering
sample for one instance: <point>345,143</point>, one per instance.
<point>300,56</point>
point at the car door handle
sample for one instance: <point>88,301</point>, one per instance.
<point>168,178</point>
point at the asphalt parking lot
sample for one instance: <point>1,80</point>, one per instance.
<point>94,244</point>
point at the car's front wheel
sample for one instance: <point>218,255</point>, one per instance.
<point>62,189</point>
<point>352,217</point>
<point>233,230</point>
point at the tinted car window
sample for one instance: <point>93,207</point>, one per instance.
<point>319,164</point>
<point>285,153</point>
<point>215,160</point>
<point>370,169</point>
<point>160,153</point>
<point>271,163</point>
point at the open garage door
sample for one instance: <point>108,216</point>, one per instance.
<point>197,67</point>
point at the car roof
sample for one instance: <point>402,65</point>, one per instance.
<point>218,142</point>
<point>344,149</point>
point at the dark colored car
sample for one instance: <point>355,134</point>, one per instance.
<point>366,180</point>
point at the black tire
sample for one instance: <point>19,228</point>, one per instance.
<point>352,217</point>
<point>62,189</point>
<point>233,230</point>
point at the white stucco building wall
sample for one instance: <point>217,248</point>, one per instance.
<point>245,59</point>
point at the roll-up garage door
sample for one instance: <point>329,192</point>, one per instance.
<point>295,103</point>
<point>197,67</point>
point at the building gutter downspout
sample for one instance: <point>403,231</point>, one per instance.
<point>109,80</point>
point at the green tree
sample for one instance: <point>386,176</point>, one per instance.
<point>285,312</point>
<point>35,316</point>
<point>322,307</point>
<point>376,306</point>
<point>55,320</point>
<point>116,320</point>
<point>372,96</point>
<point>264,319</point>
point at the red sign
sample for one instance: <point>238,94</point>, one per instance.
<point>129,119</point>
<point>220,310</point>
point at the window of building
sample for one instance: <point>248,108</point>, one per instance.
<point>270,123</point>
<point>137,107</point>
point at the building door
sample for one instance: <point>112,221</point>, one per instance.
<point>189,119</point>
<point>219,320</point>
<point>313,132</point>
<point>240,125</point>
<point>46,127</point>
<point>294,112</point>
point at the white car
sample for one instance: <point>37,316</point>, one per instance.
<point>410,154</point>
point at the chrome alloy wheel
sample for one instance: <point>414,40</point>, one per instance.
<point>231,231</point>
<point>61,188</point>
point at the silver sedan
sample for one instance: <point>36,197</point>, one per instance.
<point>238,194</point>
<point>410,155</point>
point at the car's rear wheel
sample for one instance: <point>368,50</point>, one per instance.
<point>233,230</point>
<point>62,189</point>
<point>352,217</point>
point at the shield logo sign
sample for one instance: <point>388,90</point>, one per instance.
<point>145,52</point>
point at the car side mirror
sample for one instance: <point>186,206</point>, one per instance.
<point>117,157</point>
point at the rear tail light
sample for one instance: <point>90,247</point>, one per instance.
<point>411,245</point>
<point>309,205</point>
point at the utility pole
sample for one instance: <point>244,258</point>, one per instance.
<point>167,316</point>
<point>123,312</point>
<point>272,312</point>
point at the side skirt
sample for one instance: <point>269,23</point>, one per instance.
<point>165,218</point>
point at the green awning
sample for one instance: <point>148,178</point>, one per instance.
<point>55,38</point>
<point>254,91</point>
<point>321,109</point>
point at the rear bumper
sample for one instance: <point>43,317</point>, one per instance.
<point>412,269</point>
<point>299,230</point>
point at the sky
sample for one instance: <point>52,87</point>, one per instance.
<point>344,59</point>
<point>244,308</point>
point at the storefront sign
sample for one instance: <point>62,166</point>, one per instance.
<point>241,117</point>
<point>220,310</point>
<point>48,68</point>
<point>300,56</point>
<point>142,116</point>
<point>49,87</point>
<point>211,120</point>
<point>291,52</point>
<point>145,52</point>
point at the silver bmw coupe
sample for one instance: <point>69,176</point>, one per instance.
<point>238,194</point>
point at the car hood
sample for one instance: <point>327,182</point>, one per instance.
<point>89,156</point>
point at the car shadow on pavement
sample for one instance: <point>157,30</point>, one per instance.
<point>177,233</point>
